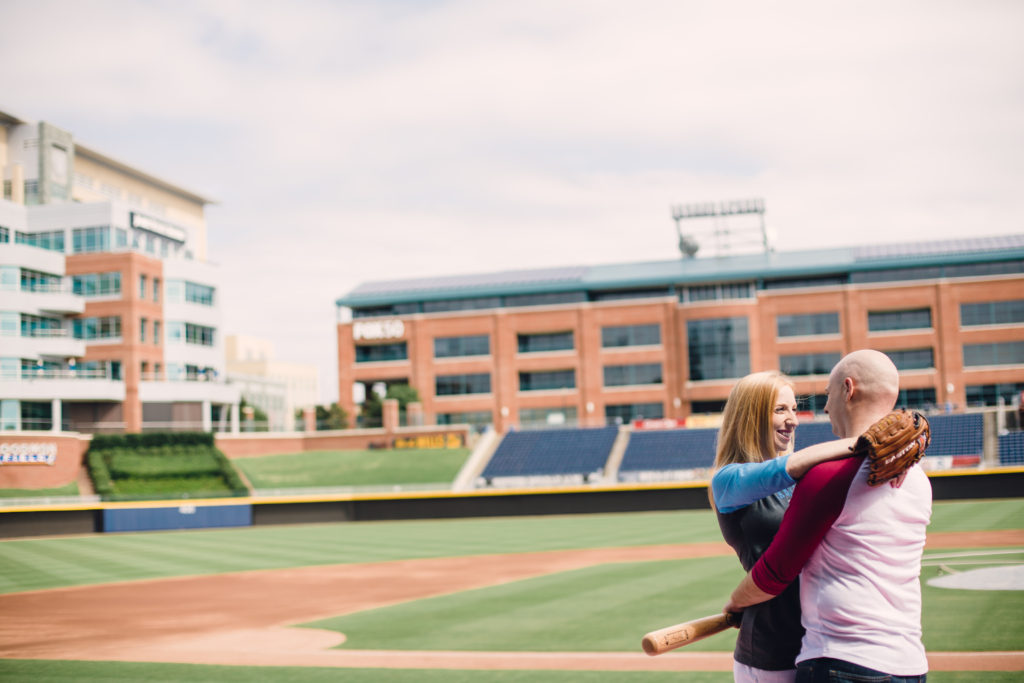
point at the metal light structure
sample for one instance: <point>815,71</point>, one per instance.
<point>725,237</point>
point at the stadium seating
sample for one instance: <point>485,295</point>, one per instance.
<point>811,433</point>
<point>1011,448</point>
<point>667,451</point>
<point>956,435</point>
<point>551,453</point>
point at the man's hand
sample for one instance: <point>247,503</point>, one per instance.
<point>745,595</point>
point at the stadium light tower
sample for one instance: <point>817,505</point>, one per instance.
<point>726,238</point>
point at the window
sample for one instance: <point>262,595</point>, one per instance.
<point>142,329</point>
<point>548,416</point>
<point>453,347</point>
<point>630,335</point>
<point>156,332</point>
<point>549,299</point>
<point>620,295</point>
<point>992,313</point>
<point>912,359</point>
<point>823,281</point>
<point>36,281</point>
<point>627,412</point>
<point>706,407</point>
<point>375,353</point>
<point>198,334</point>
<point>97,284</point>
<point>175,332</point>
<point>916,398</point>
<point>814,403</point>
<point>807,324</point>
<point>455,385</point>
<point>476,418</point>
<point>809,363</point>
<point>630,375</point>
<point>716,292</point>
<point>886,321</point>
<point>52,240</point>
<point>441,306</point>
<point>97,328</point>
<point>85,240</point>
<point>40,326</point>
<point>142,286</point>
<point>199,294</point>
<point>1004,353</point>
<point>719,348</point>
<point>547,380</point>
<point>5,235</point>
<point>540,343</point>
<point>156,290</point>
<point>989,394</point>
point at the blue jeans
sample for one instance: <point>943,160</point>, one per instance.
<point>825,670</point>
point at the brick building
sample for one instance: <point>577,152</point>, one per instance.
<point>588,345</point>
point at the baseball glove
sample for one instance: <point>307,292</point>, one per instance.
<point>893,444</point>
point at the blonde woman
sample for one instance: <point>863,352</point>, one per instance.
<point>754,472</point>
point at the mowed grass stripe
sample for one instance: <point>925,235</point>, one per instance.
<point>600,608</point>
<point>103,558</point>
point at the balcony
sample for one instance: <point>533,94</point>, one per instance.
<point>44,342</point>
<point>65,384</point>
<point>57,298</point>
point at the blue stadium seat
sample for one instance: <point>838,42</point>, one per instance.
<point>1011,448</point>
<point>668,450</point>
<point>811,433</point>
<point>551,452</point>
<point>956,435</point>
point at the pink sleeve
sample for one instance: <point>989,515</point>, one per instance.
<point>817,500</point>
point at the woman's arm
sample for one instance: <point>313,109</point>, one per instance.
<point>804,459</point>
<point>738,485</point>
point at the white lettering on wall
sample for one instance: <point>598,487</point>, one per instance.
<point>28,453</point>
<point>379,329</point>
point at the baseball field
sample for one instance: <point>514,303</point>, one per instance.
<point>543,598</point>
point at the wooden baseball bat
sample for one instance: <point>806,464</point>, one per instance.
<point>671,637</point>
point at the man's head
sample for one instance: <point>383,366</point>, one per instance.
<point>862,387</point>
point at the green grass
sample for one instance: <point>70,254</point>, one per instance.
<point>66,490</point>
<point>606,607</point>
<point>40,671</point>
<point>353,468</point>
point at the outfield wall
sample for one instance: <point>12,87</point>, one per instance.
<point>93,517</point>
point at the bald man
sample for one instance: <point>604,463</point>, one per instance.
<point>856,548</point>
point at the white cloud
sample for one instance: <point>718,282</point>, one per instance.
<point>349,141</point>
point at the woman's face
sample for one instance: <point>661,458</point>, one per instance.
<point>784,420</point>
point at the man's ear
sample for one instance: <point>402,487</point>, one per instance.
<point>848,388</point>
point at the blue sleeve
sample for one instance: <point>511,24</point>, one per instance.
<point>738,485</point>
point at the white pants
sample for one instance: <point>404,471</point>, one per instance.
<point>742,673</point>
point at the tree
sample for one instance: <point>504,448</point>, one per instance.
<point>373,407</point>
<point>331,417</point>
<point>254,419</point>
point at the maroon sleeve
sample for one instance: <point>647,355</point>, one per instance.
<point>817,500</point>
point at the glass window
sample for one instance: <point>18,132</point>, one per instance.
<point>199,294</point>
<point>5,235</point>
<point>1003,353</point>
<point>807,324</point>
<point>992,313</point>
<point>156,290</point>
<point>547,380</point>
<point>823,281</point>
<point>40,326</point>
<point>175,332</point>
<point>619,295</point>
<point>477,418</point>
<point>52,240</point>
<point>707,407</point>
<point>10,278</point>
<point>97,328</point>
<point>548,416</point>
<point>814,403</point>
<point>198,334</point>
<point>885,321</point>
<point>85,240</point>
<point>719,348</point>
<point>809,363</point>
<point>627,412</point>
<point>10,324</point>
<point>548,299</point>
<point>142,286</point>
<point>36,281</point>
<point>630,335</point>
<point>175,292</point>
<point>716,292</point>
<point>96,284</point>
<point>921,399</point>
<point>630,375</point>
<point>453,347</point>
<point>142,329</point>
<point>989,394</point>
<point>434,306</point>
<point>539,343</point>
<point>373,353</point>
<point>912,359</point>
<point>454,385</point>
<point>156,331</point>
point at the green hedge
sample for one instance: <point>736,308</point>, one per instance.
<point>154,465</point>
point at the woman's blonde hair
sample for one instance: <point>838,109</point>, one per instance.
<point>746,434</point>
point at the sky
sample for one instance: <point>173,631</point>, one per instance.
<point>346,142</point>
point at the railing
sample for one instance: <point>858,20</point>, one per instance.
<point>46,332</point>
<point>58,373</point>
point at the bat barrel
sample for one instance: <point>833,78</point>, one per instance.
<point>672,637</point>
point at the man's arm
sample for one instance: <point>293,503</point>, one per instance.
<point>817,501</point>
